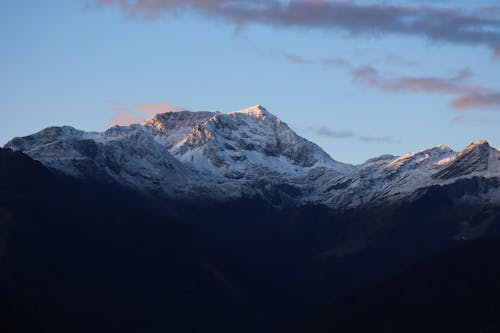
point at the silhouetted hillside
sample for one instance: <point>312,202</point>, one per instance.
<point>78,255</point>
<point>85,257</point>
<point>455,291</point>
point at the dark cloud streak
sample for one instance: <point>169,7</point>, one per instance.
<point>454,25</point>
<point>325,131</point>
<point>466,96</point>
<point>378,139</point>
<point>343,134</point>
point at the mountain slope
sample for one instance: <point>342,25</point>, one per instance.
<point>81,256</point>
<point>454,291</point>
<point>186,154</point>
<point>246,153</point>
<point>477,158</point>
<point>252,138</point>
<point>389,178</point>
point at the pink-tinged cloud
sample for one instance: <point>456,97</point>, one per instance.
<point>296,59</point>
<point>453,85</point>
<point>125,115</point>
<point>454,25</point>
<point>496,53</point>
<point>155,108</point>
<point>125,118</point>
<point>466,96</point>
<point>477,100</point>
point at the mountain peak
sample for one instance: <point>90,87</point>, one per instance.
<point>478,145</point>
<point>257,111</point>
<point>245,152</point>
<point>475,158</point>
<point>429,155</point>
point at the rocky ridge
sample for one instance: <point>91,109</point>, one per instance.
<point>249,152</point>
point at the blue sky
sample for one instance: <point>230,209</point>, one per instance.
<point>358,86</point>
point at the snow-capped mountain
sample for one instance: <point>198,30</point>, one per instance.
<point>245,153</point>
<point>477,159</point>
<point>389,177</point>
<point>250,137</point>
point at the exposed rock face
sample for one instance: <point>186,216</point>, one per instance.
<point>477,157</point>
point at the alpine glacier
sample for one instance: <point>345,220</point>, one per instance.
<point>251,152</point>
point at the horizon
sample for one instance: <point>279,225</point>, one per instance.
<point>360,79</point>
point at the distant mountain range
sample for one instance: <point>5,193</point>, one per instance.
<point>216,156</point>
<point>210,222</point>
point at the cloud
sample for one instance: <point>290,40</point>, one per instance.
<point>390,58</point>
<point>343,134</point>
<point>466,96</point>
<point>394,59</point>
<point>296,59</point>
<point>333,61</point>
<point>454,25</point>
<point>338,62</point>
<point>467,119</point>
<point>496,53</point>
<point>325,131</point>
<point>477,100</point>
<point>368,75</point>
<point>378,139</point>
<point>125,115</point>
<point>155,108</point>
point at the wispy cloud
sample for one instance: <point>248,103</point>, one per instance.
<point>297,59</point>
<point>368,75</point>
<point>335,61</point>
<point>155,108</point>
<point>378,139</point>
<point>343,134</point>
<point>388,58</point>
<point>468,119</point>
<point>444,24</point>
<point>332,61</point>
<point>325,131</point>
<point>477,100</point>
<point>397,60</point>
<point>123,115</point>
<point>466,95</point>
<point>496,53</point>
<point>131,114</point>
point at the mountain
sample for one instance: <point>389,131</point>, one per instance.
<point>121,231</point>
<point>185,154</point>
<point>457,290</point>
<point>389,178</point>
<point>79,256</point>
<point>250,152</point>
